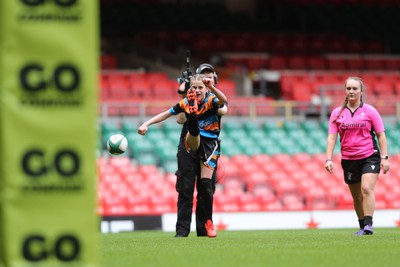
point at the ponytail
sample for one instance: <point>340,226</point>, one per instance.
<point>341,109</point>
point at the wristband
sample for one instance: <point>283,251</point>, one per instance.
<point>328,160</point>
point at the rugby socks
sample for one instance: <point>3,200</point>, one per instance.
<point>368,220</point>
<point>361,223</point>
<point>193,125</point>
<point>206,191</point>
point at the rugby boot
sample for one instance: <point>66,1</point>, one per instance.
<point>368,230</point>
<point>192,99</point>
<point>210,229</point>
<point>359,232</point>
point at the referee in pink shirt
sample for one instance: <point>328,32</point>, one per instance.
<point>360,126</point>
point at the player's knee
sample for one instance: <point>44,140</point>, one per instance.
<point>366,190</point>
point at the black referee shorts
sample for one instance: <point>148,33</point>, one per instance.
<point>354,169</point>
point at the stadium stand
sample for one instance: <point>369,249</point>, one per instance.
<point>248,180</point>
<point>312,48</point>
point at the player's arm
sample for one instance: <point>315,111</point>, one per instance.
<point>330,146</point>
<point>384,151</point>
<point>222,99</point>
<point>156,119</point>
<point>382,142</point>
<point>181,117</point>
<point>222,111</point>
<point>182,89</point>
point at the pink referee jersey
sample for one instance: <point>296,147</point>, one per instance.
<point>357,131</point>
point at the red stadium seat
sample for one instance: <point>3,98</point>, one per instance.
<point>108,62</point>
<point>344,201</point>
<point>202,45</point>
<point>356,63</point>
<point>318,45</point>
<point>299,44</point>
<point>247,170</point>
<point>255,179</point>
<point>336,63</point>
<point>319,158</point>
<point>374,64</point>
<point>330,81</point>
<point>155,76</point>
<point>281,159</point>
<point>266,198</point>
<point>396,88</point>
<point>290,168</point>
<point>385,104</point>
<point>228,87</point>
<point>240,45</point>
<point>316,195</point>
<point>248,202</point>
<point>392,64</point>
<point>119,86</point>
<point>297,63</point>
<point>119,161</point>
<point>288,81</point>
<point>221,45</point>
<point>226,203</point>
<point>286,84</point>
<point>305,184</point>
<point>355,47</point>
<point>280,44</point>
<point>274,206</point>
<point>375,48</point>
<point>227,170</point>
<point>142,88</point>
<point>140,209</point>
<point>261,159</point>
<point>256,63</point>
<point>316,63</point>
<point>260,44</point>
<point>383,88</point>
<point>104,87</point>
<point>292,202</point>
<point>165,89</point>
<point>277,63</point>
<point>302,158</point>
<point>302,92</point>
<point>301,175</point>
<point>241,160</point>
<point>285,187</point>
<point>337,44</point>
<point>233,186</point>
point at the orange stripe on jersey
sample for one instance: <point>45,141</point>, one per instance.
<point>212,127</point>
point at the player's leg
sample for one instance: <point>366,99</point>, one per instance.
<point>206,192</point>
<point>200,213</point>
<point>369,176</point>
<point>209,154</point>
<point>193,136</point>
<point>352,177</point>
<point>186,177</point>
<point>200,209</point>
<point>368,197</point>
<point>355,190</point>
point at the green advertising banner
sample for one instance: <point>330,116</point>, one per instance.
<point>48,112</point>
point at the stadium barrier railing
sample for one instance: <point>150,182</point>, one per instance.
<point>250,108</point>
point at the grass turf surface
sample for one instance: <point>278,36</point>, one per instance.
<point>253,248</point>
